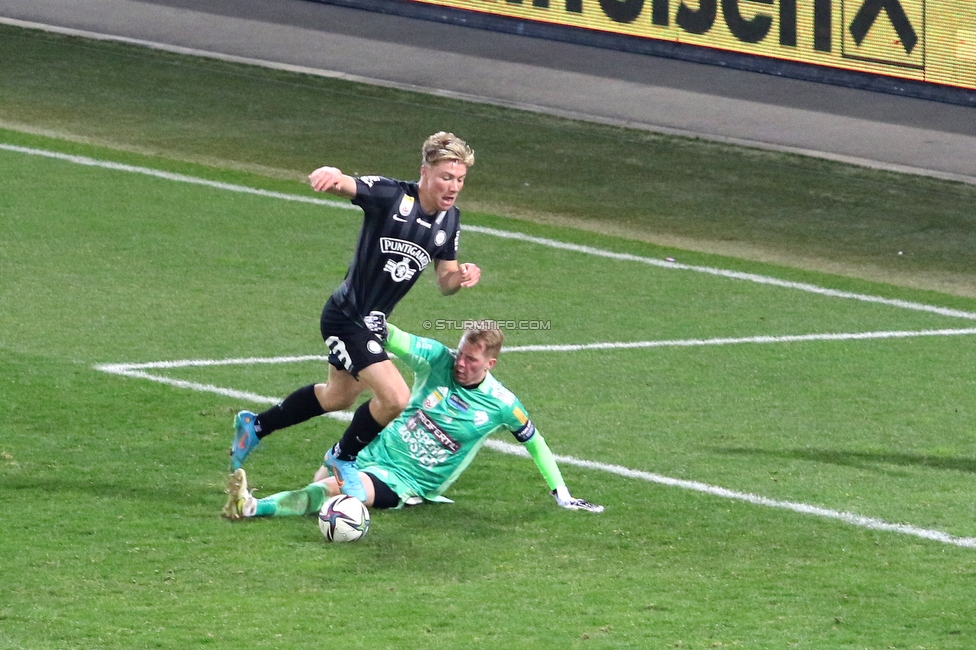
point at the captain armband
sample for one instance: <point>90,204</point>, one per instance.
<point>525,433</point>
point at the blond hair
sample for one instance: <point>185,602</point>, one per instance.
<point>446,146</point>
<point>491,337</point>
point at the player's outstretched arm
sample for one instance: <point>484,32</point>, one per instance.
<point>332,180</point>
<point>546,462</point>
<point>568,501</point>
<point>452,277</point>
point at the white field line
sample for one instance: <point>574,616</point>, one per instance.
<point>137,371</point>
<point>131,370</point>
<point>794,338</point>
<point>551,243</point>
<point>485,99</point>
<point>735,275</point>
<point>128,370</point>
<point>170,176</point>
<point>802,508</point>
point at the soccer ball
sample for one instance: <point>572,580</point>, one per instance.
<point>343,519</point>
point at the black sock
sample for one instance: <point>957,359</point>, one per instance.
<point>296,408</point>
<point>361,431</point>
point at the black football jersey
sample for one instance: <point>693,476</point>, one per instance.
<point>396,243</point>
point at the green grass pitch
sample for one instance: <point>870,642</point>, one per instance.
<point>111,486</point>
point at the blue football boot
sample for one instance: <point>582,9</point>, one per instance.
<point>245,439</point>
<point>346,474</point>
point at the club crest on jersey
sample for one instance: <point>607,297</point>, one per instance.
<point>406,205</point>
<point>440,238</point>
<point>401,270</point>
<point>480,417</point>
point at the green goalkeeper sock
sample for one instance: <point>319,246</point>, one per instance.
<point>307,501</point>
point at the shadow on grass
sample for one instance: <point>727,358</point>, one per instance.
<point>861,460</point>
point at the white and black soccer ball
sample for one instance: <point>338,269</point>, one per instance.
<point>343,519</point>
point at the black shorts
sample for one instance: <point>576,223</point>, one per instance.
<point>383,495</point>
<point>352,347</point>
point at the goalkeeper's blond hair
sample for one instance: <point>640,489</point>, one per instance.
<point>446,146</point>
<point>491,337</point>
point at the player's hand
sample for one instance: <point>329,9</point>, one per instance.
<point>325,179</point>
<point>470,274</point>
<point>566,500</point>
<point>376,323</point>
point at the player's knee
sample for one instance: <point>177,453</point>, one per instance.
<point>400,401</point>
<point>334,398</point>
<point>391,404</point>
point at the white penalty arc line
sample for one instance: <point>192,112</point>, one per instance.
<point>542,241</point>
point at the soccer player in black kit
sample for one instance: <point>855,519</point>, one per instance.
<point>406,226</point>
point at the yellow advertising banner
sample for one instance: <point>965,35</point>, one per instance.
<point>923,40</point>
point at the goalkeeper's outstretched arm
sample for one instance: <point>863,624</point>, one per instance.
<point>546,462</point>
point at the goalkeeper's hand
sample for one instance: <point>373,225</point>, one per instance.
<point>376,323</point>
<point>566,500</point>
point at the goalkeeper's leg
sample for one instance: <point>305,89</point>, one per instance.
<point>307,501</point>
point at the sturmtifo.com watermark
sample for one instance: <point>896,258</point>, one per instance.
<point>488,323</point>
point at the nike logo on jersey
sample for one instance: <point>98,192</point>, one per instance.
<point>401,220</point>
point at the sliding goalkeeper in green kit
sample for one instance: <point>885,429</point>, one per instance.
<point>455,404</point>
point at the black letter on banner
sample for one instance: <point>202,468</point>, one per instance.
<point>869,12</point>
<point>626,11</point>
<point>697,22</point>
<point>821,25</point>
<point>747,31</point>
<point>575,6</point>
<point>787,22</point>
<point>660,10</point>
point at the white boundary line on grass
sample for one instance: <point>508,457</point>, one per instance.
<point>493,101</point>
<point>542,241</point>
<point>171,176</point>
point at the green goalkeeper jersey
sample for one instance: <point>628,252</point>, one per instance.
<point>443,427</point>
